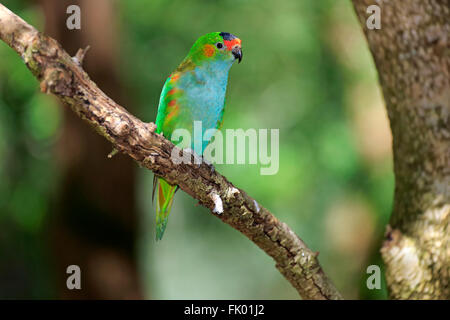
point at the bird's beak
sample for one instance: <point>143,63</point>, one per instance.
<point>237,52</point>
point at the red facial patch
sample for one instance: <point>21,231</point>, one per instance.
<point>231,43</point>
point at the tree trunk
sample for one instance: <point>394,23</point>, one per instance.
<point>95,221</point>
<point>412,56</point>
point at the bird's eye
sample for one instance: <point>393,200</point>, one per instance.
<point>219,45</point>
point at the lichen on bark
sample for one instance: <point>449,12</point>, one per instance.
<point>412,55</point>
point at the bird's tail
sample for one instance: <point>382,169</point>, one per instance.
<point>164,199</point>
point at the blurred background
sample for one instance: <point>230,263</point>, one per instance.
<point>306,71</point>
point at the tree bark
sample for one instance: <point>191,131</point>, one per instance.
<point>412,55</point>
<point>62,76</point>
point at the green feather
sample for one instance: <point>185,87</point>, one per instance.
<point>163,206</point>
<point>195,91</point>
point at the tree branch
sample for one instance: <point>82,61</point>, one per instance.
<point>63,76</point>
<point>411,53</point>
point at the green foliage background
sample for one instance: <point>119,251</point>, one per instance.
<point>306,71</point>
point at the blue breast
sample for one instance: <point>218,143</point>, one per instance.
<point>204,95</point>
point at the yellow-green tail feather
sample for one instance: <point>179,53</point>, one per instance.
<point>164,200</point>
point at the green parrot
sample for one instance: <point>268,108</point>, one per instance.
<point>195,91</point>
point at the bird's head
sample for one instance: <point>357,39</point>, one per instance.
<point>217,46</point>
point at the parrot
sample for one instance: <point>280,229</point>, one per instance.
<point>195,91</point>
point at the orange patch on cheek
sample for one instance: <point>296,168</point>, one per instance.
<point>172,91</point>
<point>208,50</point>
<point>172,103</point>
